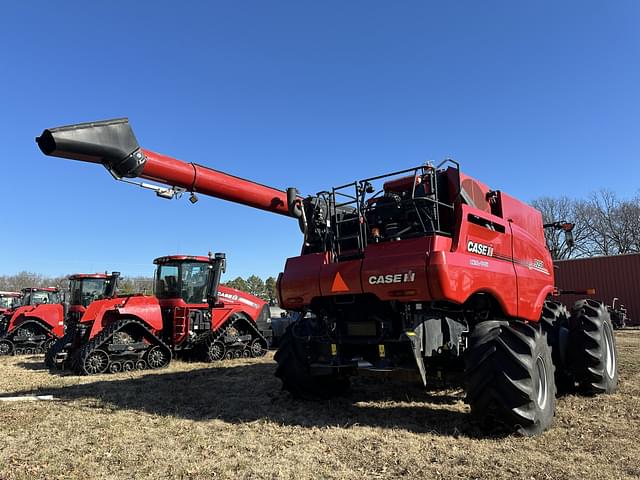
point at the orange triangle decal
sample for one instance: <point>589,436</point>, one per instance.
<point>339,284</point>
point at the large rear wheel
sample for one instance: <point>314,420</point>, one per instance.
<point>510,376</point>
<point>594,358</point>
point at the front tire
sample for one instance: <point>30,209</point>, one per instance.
<point>594,356</point>
<point>294,372</point>
<point>509,374</point>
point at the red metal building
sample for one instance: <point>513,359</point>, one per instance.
<point>612,276</point>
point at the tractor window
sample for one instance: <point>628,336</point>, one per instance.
<point>40,297</point>
<point>167,281</point>
<point>86,290</point>
<point>194,282</point>
<point>7,302</point>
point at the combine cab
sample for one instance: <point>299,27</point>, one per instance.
<point>425,268</point>
<point>35,324</point>
<point>189,313</point>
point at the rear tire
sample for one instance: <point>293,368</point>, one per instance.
<point>509,374</point>
<point>293,370</point>
<point>594,359</point>
<point>555,321</point>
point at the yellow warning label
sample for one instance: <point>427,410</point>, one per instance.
<point>381,350</point>
<point>334,349</point>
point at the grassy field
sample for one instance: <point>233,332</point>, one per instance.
<point>197,421</point>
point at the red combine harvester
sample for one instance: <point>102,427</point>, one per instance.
<point>40,320</point>
<point>9,301</point>
<point>190,312</point>
<point>425,268</point>
<point>35,324</point>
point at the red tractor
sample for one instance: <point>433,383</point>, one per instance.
<point>40,319</point>
<point>34,325</point>
<point>190,312</point>
<point>424,268</point>
<point>9,301</point>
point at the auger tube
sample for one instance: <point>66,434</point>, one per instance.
<point>113,144</point>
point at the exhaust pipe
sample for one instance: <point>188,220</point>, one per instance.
<point>109,142</point>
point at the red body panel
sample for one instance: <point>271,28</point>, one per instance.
<point>496,249</point>
<point>142,307</point>
<point>230,301</point>
<point>51,315</point>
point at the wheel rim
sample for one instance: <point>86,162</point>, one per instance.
<point>5,348</point>
<point>115,367</point>
<point>156,358</point>
<point>127,366</point>
<point>141,365</point>
<point>609,356</point>
<point>216,351</point>
<point>542,383</point>
<point>256,348</point>
<point>96,362</point>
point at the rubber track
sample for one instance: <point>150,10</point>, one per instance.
<point>106,334</point>
<point>588,352</point>
<point>10,335</point>
<point>499,364</point>
<point>213,336</point>
<point>58,347</point>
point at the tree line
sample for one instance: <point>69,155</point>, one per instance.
<point>605,224</point>
<point>265,289</point>
<point>15,283</point>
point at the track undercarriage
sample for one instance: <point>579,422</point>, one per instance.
<point>31,337</point>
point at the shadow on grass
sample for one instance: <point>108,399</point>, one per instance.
<point>250,392</point>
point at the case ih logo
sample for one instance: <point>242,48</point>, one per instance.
<point>480,249</point>
<point>406,277</point>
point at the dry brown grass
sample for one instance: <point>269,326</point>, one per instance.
<point>197,421</point>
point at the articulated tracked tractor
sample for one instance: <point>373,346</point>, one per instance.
<point>189,313</point>
<point>41,318</point>
<point>424,269</point>
<point>33,325</point>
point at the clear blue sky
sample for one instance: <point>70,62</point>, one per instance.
<point>534,98</point>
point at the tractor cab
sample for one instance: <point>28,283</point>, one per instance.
<point>9,301</point>
<point>37,296</point>
<point>188,280</point>
<point>85,288</point>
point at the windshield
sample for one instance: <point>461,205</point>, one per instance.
<point>86,290</point>
<point>186,280</point>
<point>9,302</point>
<point>40,296</point>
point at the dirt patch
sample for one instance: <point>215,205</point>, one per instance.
<point>194,420</point>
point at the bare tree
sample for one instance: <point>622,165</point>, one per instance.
<point>612,223</point>
<point>562,209</point>
<point>604,224</point>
